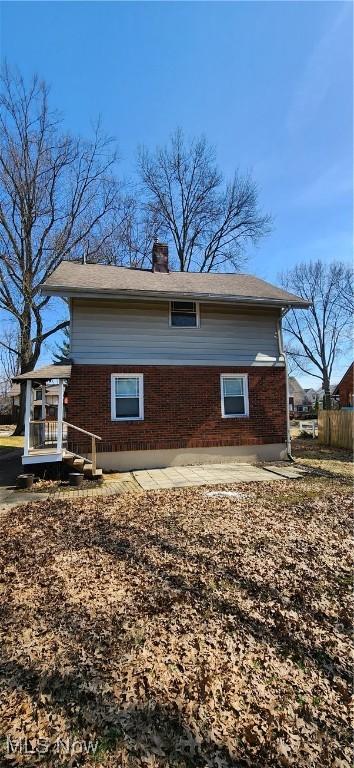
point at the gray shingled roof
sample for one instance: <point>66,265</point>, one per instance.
<point>14,390</point>
<point>72,278</point>
<point>46,373</point>
<point>295,389</point>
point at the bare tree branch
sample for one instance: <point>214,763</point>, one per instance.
<point>59,198</point>
<point>58,327</point>
<point>184,199</point>
<point>315,338</point>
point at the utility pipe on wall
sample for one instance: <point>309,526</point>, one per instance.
<point>283,353</point>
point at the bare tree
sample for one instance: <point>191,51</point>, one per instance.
<point>58,199</point>
<point>9,360</point>
<point>209,222</point>
<point>316,337</point>
<point>346,292</point>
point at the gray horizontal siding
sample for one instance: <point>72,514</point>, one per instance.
<point>124,332</point>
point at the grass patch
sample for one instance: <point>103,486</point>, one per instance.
<point>11,442</point>
<point>331,462</point>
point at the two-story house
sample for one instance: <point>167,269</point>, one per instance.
<point>171,367</point>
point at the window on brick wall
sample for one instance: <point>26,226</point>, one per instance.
<point>234,395</point>
<point>127,397</point>
<point>184,314</point>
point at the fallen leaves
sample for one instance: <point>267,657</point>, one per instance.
<point>179,629</point>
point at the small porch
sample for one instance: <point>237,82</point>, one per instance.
<point>46,440</point>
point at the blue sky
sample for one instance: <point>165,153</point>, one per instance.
<point>269,83</point>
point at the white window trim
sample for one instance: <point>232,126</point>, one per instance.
<point>184,327</point>
<point>243,376</point>
<point>139,376</point>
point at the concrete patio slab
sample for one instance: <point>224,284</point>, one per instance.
<point>206,474</point>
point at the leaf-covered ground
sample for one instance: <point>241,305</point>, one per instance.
<point>178,629</point>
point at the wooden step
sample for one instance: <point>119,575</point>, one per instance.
<point>88,471</point>
<point>78,464</point>
<point>69,460</point>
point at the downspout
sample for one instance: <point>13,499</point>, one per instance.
<point>282,352</point>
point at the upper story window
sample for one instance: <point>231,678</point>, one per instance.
<point>234,395</point>
<point>127,397</point>
<point>38,394</point>
<point>184,314</point>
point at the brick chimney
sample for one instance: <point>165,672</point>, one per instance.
<point>159,257</point>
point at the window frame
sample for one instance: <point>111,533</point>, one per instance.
<point>184,327</point>
<point>244,377</point>
<point>140,377</point>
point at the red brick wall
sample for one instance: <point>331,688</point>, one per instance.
<point>181,408</point>
<point>346,387</point>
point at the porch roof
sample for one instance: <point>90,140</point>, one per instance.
<point>46,373</point>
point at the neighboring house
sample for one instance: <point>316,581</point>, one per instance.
<point>321,393</point>
<point>14,395</point>
<point>51,395</point>
<point>301,401</point>
<point>344,391</point>
<point>51,401</point>
<point>311,396</point>
<point>5,405</point>
<point>171,367</point>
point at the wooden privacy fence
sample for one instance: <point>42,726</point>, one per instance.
<point>336,428</point>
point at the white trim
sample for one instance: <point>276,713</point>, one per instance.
<point>28,407</point>
<point>140,377</point>
<point>43,408</point>
<point>60,415</point>
<point>282,351</point>
<point>244,377</point>
<point>184,327</point>
<point>42,458</point>
<point>204,362</point>
<point>71,324</point>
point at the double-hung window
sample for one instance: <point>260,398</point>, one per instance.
<point>127,397</point>
<point>184,314</point>
<point>234,395</point>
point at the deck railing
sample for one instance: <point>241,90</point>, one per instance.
<point>93,441</point>
<point>43,434</point>
<point>53,435</point>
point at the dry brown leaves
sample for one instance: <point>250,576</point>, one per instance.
<point>180,630</point>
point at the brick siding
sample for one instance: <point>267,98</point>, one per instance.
<point>182,408</point>
<point>346,387</point>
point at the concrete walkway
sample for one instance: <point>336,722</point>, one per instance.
<point>10,496</point>
<point>209,474</point>
<point>147,480</point>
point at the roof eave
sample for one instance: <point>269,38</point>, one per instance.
<point>65,292</point>
<point>46,373</point>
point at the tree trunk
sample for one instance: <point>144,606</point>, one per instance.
<point>327,403</point>
<point>28,362</point>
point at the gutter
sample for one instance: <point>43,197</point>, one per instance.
<point>283,353</point>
